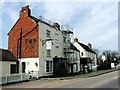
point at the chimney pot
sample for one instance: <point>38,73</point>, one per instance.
<point>56,25</point>
<point>25,8</point>
<point>89,45</point>
<point>75,39</point>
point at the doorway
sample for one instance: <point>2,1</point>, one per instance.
<point>23,67</point>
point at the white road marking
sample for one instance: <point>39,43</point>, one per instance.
<point>115,77</point>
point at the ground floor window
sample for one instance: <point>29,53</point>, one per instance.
<point>49,66</point>
<point>77,65</point>
<point>12,69</point>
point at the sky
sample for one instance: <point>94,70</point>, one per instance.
<point>93,21</point>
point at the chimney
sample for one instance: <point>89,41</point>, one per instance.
<point>25,11</point>
<point>56,25</point>
<point>90,45</point>
<point>75,39</point>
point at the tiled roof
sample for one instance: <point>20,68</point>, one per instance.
<point>86,47</point>
<point>6,55</point>
<point>37,20</point>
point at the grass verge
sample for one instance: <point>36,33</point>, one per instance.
<point>99,72</point>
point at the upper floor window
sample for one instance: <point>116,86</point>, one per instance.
<point>48,53</point>
<point>68,41</point>
<point>47,33</point>
<point>26,40</point>
<point>56,34</point>
<point>30,41</point>
<point>76,55</point>
<point>64,39</point>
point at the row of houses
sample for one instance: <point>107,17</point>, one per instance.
<point>46,48</point>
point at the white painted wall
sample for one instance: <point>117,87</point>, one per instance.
<point>86,53</point>
<point>57,46</point>
<point>5,67</point>
<point>80,49</point>
<point>30,64</point>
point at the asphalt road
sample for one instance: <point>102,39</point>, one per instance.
<point>109,80</point>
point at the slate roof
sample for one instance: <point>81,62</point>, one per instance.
<point>35,19</point>
<point>86,47</point>
<point>73,47</point>
<point>6,55</point>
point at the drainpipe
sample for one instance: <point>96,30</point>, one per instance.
<point>19,49</point>
<point>19,45</point>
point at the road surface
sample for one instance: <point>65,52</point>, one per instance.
<point>109,80</point>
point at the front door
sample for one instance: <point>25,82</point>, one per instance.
<point>23,67</point>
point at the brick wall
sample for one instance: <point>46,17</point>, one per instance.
<point>29,35</point>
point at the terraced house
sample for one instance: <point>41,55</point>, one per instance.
<point>41,46</point>
<point>88,58</point>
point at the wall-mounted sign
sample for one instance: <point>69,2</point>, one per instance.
<point>48,45</point>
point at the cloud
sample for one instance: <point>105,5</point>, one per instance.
<point>13,15</point>
<point>100,21</point>
<point>1,6</point>
<point>62,0</point>
<point>11,11</point>
<point>92,22</point>
<point>60,12</point>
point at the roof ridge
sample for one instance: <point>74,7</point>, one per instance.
<point>86,47</point>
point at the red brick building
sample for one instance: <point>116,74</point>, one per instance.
<point>27,25</point>
<point>37,42</point>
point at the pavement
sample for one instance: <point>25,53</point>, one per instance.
<point>105,80</point>
<point>86,76</point>
<point>60,79</point>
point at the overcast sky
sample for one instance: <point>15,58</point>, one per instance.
<point>94,22</point>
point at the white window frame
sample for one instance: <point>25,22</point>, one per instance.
<point>48,33</point>
<point>49,68</point>
<point>47,53</point>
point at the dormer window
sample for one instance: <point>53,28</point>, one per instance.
<point>64,39</point>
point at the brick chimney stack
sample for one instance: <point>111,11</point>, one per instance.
<point>90,45</point>
<point>75,39</point>
<point>25,11</point>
